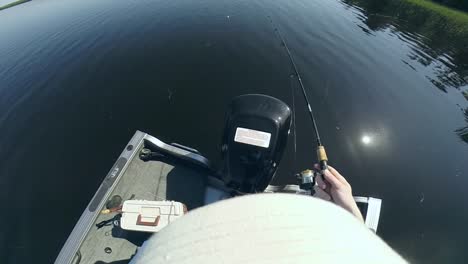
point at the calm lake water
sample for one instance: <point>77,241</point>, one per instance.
<point>77,78</point>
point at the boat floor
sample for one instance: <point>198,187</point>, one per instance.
<point>179,174</point>
<point>150,180</point>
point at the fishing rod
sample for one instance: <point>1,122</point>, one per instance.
<point>321,153</point>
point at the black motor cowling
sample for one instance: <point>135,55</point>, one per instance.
<point>254,139</point>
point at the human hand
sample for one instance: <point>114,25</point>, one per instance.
<point>335,188</point>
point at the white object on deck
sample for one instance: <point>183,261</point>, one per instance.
<point>373,210</point>
<point>150,216</point>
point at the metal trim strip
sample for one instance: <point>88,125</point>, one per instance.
<point>88,217</point>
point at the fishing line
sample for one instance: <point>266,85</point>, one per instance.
<point>321,154</point>
<point>294,121</point>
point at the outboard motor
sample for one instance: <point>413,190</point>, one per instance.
<point>254,139</point>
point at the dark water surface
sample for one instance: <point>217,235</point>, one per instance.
<point>77,78</point>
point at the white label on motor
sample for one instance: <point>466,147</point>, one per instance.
<point>252,137</point>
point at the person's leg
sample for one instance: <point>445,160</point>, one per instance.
<point>267,228</point>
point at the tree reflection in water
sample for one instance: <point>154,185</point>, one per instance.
<point>463,132</point>
<point>438,41</point>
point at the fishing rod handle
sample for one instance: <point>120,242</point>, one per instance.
<point>322,157</point>
<point>323,165</point>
